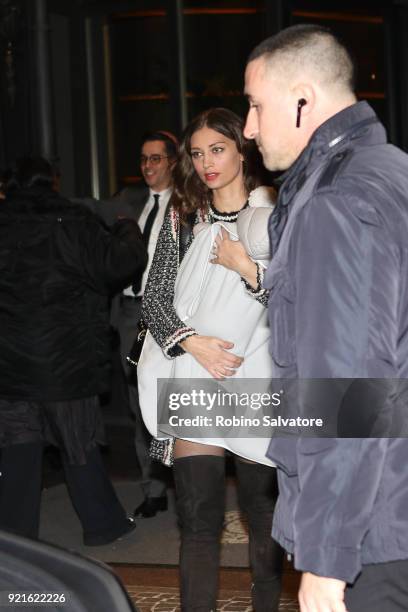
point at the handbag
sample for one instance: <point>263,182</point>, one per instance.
<point>136,350</point>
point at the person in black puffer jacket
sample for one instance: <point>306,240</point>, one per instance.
<point>58,267</point>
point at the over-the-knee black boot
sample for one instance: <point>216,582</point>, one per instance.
<point>200,491</point>
<point>257,491</point>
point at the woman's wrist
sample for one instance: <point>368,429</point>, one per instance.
<point>255,288</point>
<point>249,274</point>
<point>188,342</point>
<point>173,346</point>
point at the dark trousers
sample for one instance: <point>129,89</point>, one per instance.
<point>153,483</point>
<point>91,491</point>
<point>20,488</point>
<point>381,587</point>
<point>93,496</point>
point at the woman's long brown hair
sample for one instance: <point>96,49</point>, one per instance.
<point>190,193</point>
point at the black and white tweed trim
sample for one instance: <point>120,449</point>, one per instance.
<point>258,291</point>
<point>176,338</point>
<point>162,450</point>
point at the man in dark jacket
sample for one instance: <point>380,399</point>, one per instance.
<point>338,308</point>
<point>58,266</point>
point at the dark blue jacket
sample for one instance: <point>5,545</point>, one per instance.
<point>338,308</point>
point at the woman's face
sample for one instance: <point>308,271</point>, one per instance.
<point>215,158</point>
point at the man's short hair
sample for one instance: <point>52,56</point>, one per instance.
<point>27,172</point>
<point>168,138</point>
<point>313,48</point>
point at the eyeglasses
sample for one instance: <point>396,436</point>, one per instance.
<point>153,159</point>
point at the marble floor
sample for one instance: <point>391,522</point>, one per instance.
<point>154,587</point>
<point>166,599</point>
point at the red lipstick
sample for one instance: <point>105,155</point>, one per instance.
<point>211,176</point>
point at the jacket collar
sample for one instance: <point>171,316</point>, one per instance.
<point>356,122</point>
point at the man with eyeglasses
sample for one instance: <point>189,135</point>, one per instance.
<point>147,206</point>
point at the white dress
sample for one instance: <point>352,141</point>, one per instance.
<point>213,300</point>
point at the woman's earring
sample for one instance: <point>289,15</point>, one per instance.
<point>301,103</point>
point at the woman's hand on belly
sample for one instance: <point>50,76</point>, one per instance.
<point>232,255</point>
<point>213,355</point>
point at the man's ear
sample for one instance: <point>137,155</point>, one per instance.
<point>304,95</point>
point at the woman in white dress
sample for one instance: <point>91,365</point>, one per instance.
<point>213,178</point>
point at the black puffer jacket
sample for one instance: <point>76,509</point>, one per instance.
<point>58,266</point>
